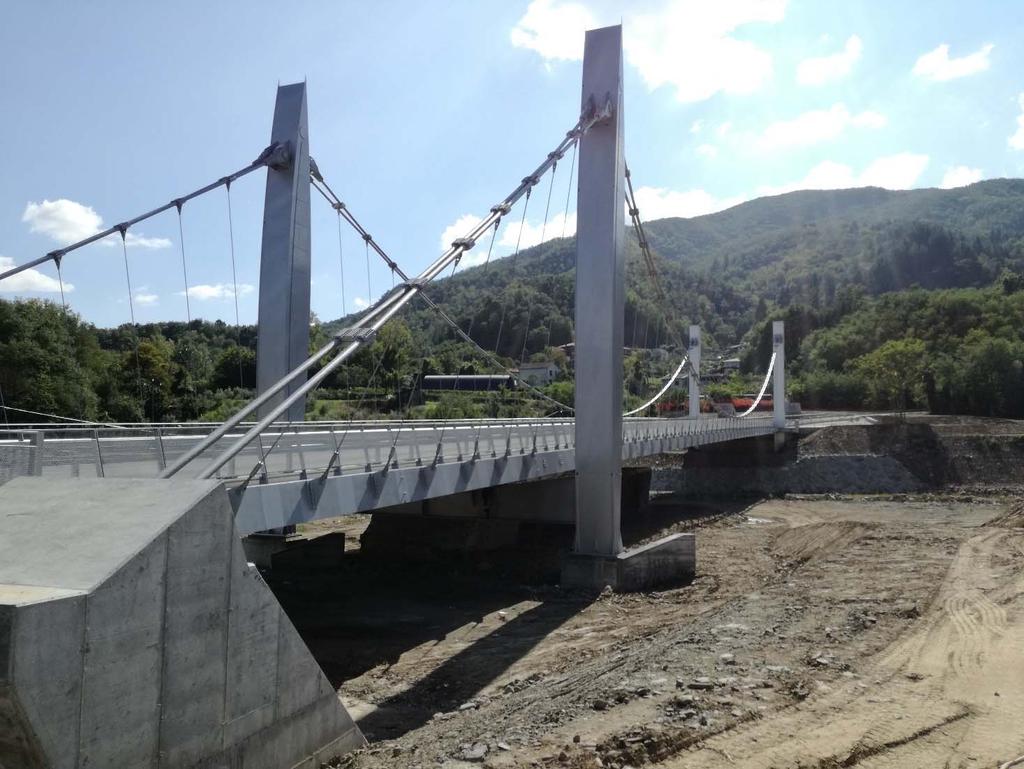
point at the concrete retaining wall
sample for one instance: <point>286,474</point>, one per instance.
<point>133,633</point>
<point>842,474</point>
<point>16,460</point>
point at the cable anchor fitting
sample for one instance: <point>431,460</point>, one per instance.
<point>314,170</point>
<point>277,156</point>
<point>356,334</point>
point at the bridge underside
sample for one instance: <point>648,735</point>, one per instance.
<point>272,505</point>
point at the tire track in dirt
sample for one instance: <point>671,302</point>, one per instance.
<point>950,692</point>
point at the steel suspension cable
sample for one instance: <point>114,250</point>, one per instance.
<point>234,288</point>
<point>668,385</point>
<point>328,194</point>
<point>458,374</point>
<point>568,192</point>
<point>369,286</point>
<point>71,333</point>
<point>652,270</point>
<point>282,428</point>
<point>543,229</point>
<point>184,266</point>
<point>7,408</point>
<point>512,273</point>
<point>547,206</point>
<point>274,154</point>
<point>350,340</point>
<point>3,407</point>
<point>60,281</point>
<point>341,269</point>
<point>135,328</point>
<point>764,386</point>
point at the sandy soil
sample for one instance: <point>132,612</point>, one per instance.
<point>818,633</point>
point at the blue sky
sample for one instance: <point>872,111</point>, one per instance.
<point>423,115</point>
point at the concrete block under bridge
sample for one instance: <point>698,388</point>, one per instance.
<point>773,450</point>
<point>490,518</point>
<point>535,519</point>
<point>133,632</point>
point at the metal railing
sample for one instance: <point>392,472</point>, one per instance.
<point>318,449</point>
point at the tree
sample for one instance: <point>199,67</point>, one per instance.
<point>990,374</point>
<point>42,366</point>
<point>894,372</point>
<point>235,367</point>
<point>393,348</point>
<point>153,365</point>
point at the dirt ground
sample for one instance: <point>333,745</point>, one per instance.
<point>864,632</point>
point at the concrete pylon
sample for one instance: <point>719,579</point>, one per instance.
<point>283,333</point>
<point>600,300</point>
<point>693,353</point>
<point>779,374</point>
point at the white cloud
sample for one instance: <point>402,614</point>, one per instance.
<point>143,297</point>
<point>723,129</point>
<point>207,291</point>
<point>660,203</point>
<point>66,221</point>
<point>894,172</point>
<point>709,151</point>
<point>553,29</point>
<point>29,281</point>
<point>960,176</point>
<point>936,64</point>
<point>696,126</point>
<point>558,226</point>
<point>138,241</point>
<point>686,45</point>
<point>360,303</point>
<point>1017,140</point>
<point>817,126</point>
<point>821,69</point>
<point>459,229</point>
<point>532,232</point>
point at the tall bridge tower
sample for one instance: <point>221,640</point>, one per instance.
<point>600,300</point>
<point>283,341</point>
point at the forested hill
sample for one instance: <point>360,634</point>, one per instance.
<point>913,297</point>
<point>730,270</point>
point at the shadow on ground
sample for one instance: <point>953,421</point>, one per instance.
<point>375,607</point>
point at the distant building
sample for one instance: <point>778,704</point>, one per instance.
<point>539,374</point>
<point>467,382</point>
<point>729,365</point>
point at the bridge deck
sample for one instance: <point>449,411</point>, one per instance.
<point>281,478</point>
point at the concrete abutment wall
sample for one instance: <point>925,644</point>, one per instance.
<point>133,633</point>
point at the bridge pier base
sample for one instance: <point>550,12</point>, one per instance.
<point>668,561</point>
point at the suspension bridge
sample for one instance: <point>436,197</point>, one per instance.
<point>127,607</point>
